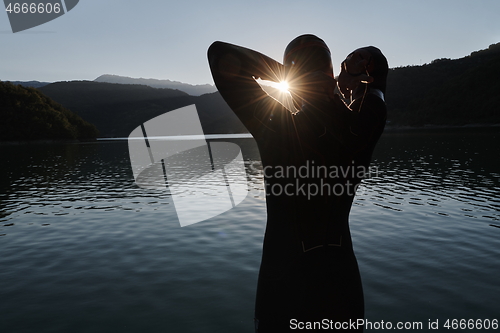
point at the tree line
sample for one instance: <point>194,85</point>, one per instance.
<point>27,114</point>
<point>447,92</point>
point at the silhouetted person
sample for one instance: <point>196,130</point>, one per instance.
<point>308,271</point>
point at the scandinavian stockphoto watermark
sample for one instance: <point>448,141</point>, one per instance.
<point>310,179</point>
<point>25,15</point>
<point>205,179</point>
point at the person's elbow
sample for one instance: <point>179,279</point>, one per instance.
<point>222,61</point>
<point>217,50</point>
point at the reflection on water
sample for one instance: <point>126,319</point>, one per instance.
<point>84,249</point>
<point>439,169</point>
<point>422,229</point>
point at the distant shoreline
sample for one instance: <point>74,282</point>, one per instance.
<point>388,129</point>
<point>41,142</point>
<point>391,128</point>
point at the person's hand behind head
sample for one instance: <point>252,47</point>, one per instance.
<point>355,70</point>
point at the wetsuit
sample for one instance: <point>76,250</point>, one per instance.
<point>308,271</point>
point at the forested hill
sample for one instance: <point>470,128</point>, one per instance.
<point>447,92</point>
<point>27,114</point>
<point>117,109</point>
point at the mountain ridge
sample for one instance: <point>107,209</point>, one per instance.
<point>30,84</point>
<point>191,89</point>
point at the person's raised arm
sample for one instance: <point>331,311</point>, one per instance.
<point>234,69</point>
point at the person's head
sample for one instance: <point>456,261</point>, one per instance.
<point>306,54</point>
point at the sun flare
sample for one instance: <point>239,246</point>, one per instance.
<point>283,86</point>
<point>278,91</point>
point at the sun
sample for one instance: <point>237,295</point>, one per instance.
<point>283,86</point>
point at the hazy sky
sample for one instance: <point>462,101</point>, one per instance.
<point>169,39</point>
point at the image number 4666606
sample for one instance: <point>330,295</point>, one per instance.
<point>26,15</point>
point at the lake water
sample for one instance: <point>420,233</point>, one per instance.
<point>83,249</point>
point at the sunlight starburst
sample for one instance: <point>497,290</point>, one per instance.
<point>283,86</point>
